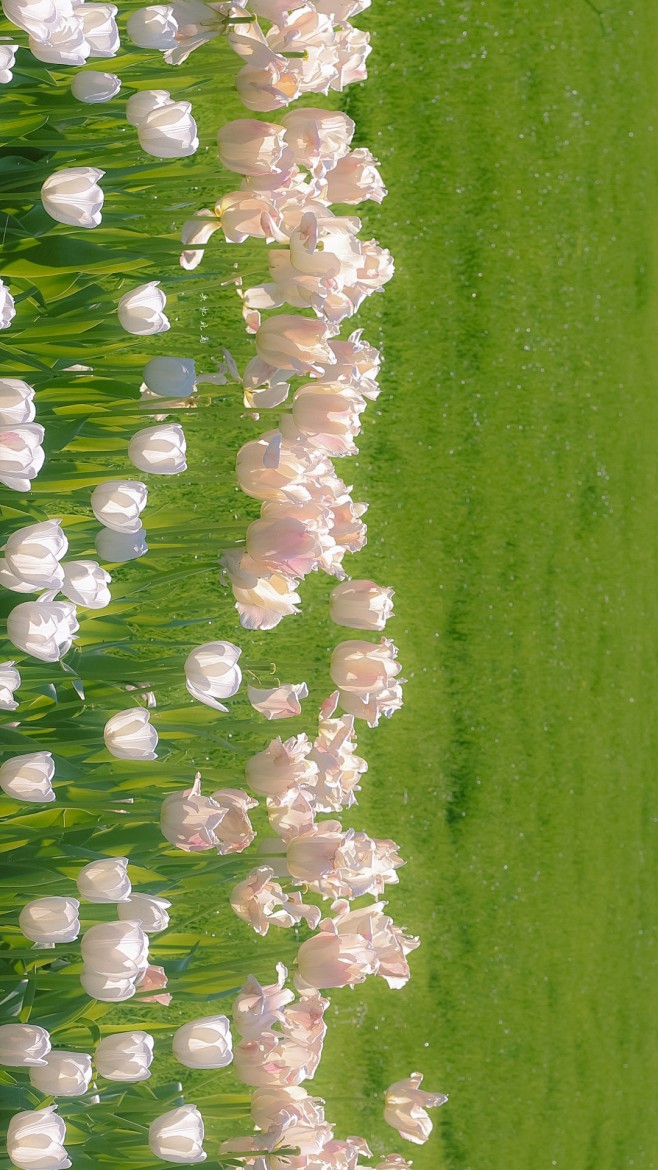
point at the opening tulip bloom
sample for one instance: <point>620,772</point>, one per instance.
<point>154,27</point>
<point>260,901</point>
<point>21,455</point>
<point>160,450</point>
<point>278,702</point>
<point>317,138</point>
<point>354,178</point>
<point>204,1043</point>
<point>125,1056</point>
<point>86,583</point>
<point>177,1136</point>
<point>43,629</point>
<point>47,921</point>
<point>169,131</point>
<point>94,87</point>
<point>35,1140</point>
<point>10,680</point>
<point>257,1008</point>
<point>16,402</point>
<point>73,196</point>
<point>22,1045</point>
<point>105,880</point>
<point>33,554</point>
<point>28,777</point>
<point>189,820</point>
<point>7,307</point>
<point>212,673</point>
<point>281,766</point>
<point>170,377</point>
<point>406,1106</point>
<point>141,311</point>
<point>129,735</point>
<point>62,1074</point>
<point>147,911</point>
<point>119,503</point>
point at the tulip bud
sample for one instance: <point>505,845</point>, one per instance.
<point>105,880</point>
<point>43,629</point>
<point>147,911</point>
<point>129,735</point>
<point>73,196</point>
<point>50,920</point>
<point>35,1140</point>
<point>107,988</point>
<point>125,1056</point>
<point>170,377</point>
<point>118,547</point>
<point>21,455</point>
<point>212,672</point>
<point>86,584</point>
<point>154,27</point>
<point>16,402</point>
<point>33,554</point>
<point>140,105</point>
<point>116,949</point>
<point>118,504</point>
<point>141,311</point>
<point>169,131</point>
<point>177,1136</point>
<point>23,1044</point>
<point>7,307</point>
<point>29,777</point>
<point>160,450</point>
<point>94,87</point>
<point>204,1043</point>
<point>278,702</point>
<point>10,680</point>
<point>62,1074</point>
<point>363,605</point>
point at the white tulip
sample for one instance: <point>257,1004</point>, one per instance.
<point>100,28</point>
<point>119,503</point>
<point>43,629</point>
<point>117,547</point>
<point>117,949</point>
<point>7,62</point>
<point>278,702</point>
<point>129,735</point>
<point>10,680</point>
<point>9,581</point>
<point>7,308</point>
<point>66,44</point>
<point>23,1044</point>
<point>16,402</point>
<point>212,672</point>
<point>21,455</point>
<point>33,16</point>
<point>204,1043</point>
<point>160,450</point>
<point>177,1136</point>
<point>50,920</point>
<point>141,311</point>
<point>33,554</point>
<point>107,988</point>
<point>94,87</point>
<point>169,132</point>
<point>170,377</point>
<point>73,196</point>
<point>35,1140</point>
<point>62,1074</point>
<point>147,911</point>
<point>28,777</point>
<point>105,880</point>
<point>140,105</point>
<point>154,27</point>
<point>86,584</point>
<point>125,1056</point>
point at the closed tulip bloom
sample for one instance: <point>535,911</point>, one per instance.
<point>354,178</point>
<point>364,667</point>
<point>7,62</point>
<point>118,547</point>
<point>7,307</point>
<point>116,949</point>
<point>177,1136</point>
<point>141,311</point>
<point>16,402</point>
<point>169,131</point>
<point>268,87</point>
<point>212,673</point>
<point>22,1045</point>
<point>251,147</point>
<point>170,377</point>
<point>33,554</point>
<point>327,415</point>
<point>94,87</point>
<point>62,1074</point>
<point>73,196</point>
<point>278,702</point>
<point>86,583</point>
<point>119,503</point>
<point>50,920</point>
<point>10,680</point>
<point>318,137</point>
<point>406,1106</point>
<point>107,988</point>
<point>105,880</point>
<point>281,766</point>
<point>43,629</point>
<point>148,911</point>
<point>21,455</point>
<point>328,959</point>
<point>100,28</point>
<point>204,1043</point>
<point>129,735</point>
<point>160,450</point>
<point>28,777</point>
<point>363,605</point>
<point>154,27</point>
<point>140,105</point>
<point>125,1056</point>
<point>35,1140</point>
<point>295,343</point>
<point>189,819</point>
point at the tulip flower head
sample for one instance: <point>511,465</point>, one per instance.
<point>212,673</point>
<point>406,1106</point>
<point>44,629</point>
<point>169,131</point>
<point>21,455</point>
<point>62,1074</point>
<point>261,901</point>
<point>363,605</point>
<point>47,921</point>
<point>10,680</point>
<point>33,554</point>
<point>86,584</point>
<point>105,880</point>
<point>177,1136</point>
<point>204,1043</point>
<point>7,307</point>
<point>119,503</point>
<point>129,735</point>
<point>16,402</point>
<point>160,450</point>
<point>7,62</point>
<point>35,1140</point>
<point>141,311</point>
<point>190,820</point>
<point>94,87</point>
<point>28,777</point>
<point>146,910</point>
<point>115,949</point>
<point>73,196</point>
<point>278,702</point>
<point>125,1056</point>
<point>23,1045</point>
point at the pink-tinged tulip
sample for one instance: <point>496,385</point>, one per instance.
<point>272,1104</point>
<point>204,1043</point>
<point>10,680</point>
<point>46,921</point>
<point>328,959</point>
<point>394,1162</point>
<point>154,979</point>
<point>129,735</point>
<point>16,402</point>
<point>303,1026</point>
<point>29,777</point>
<point>278,702</point>
<point>146,910</point>
<point>195,234</point>
<point>94,87</point>
<point>301,27</point>
<point>363,605</point>
<point>21,455</point>
<point>326,415</point>
<point>140,105</point>
<point>292,813</point>
<point>294,343</point>
<point>62,1074</point>
<point>141,311</point>
<point>244,214</point>
<point>44,629</point>
<point>270,469</point>
<point>251,147</point>
<point>281,766</point>
<point>23,1045</point>
<point>406,1106</point>
<point>169,131</point>
<point>86,584</point>
<point>357,362</point>
<point>197,23</point>
<point>212,673</point>
<point>105,880</point>
<point>125,1056</point>
<point>349,530</point>
<point>354,178</point>
<point>339,769</point>
<point>256,1008</point>
<point>119,503</point>
<point>177,1136</point>
<point>317,138</point>
<point>262,598</point>
<point>234,831</point>
<point>190,820</point>
<point>268,1060</point>
<point>160,450</point>
<point>353,48</point>
<point>261,901</point>
<point>35,1140</point>
<point>115,949</point>
<point>267,87</point>
<point>284,545</point>
<point>389,942</point>
<point>365,676</point>
<point>339,863</point>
